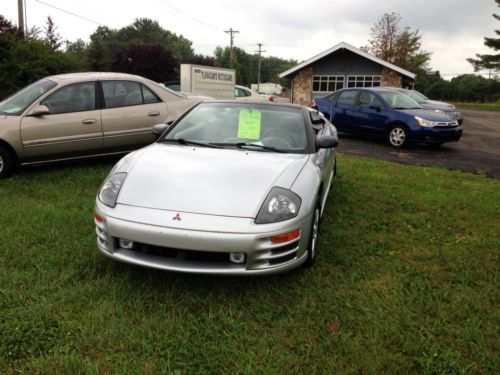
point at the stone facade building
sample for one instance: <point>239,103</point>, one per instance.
<point>343,66</point>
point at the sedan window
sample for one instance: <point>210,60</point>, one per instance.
<point>121,93</point>
<point>367,99</point>
<point>77,97</point>
<point>149,96</point>
<point>17,103</point>
<point>347,97</point>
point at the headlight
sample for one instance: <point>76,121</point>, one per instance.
<point>110,189</point>
<point>281,204</point>
<point>425,123</point>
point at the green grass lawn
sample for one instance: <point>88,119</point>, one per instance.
<point>406,282</point>
<point>480,106</point>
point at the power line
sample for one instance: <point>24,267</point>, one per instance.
<point>70,13</point>
<point>90,11</point>
<point>190,18</point>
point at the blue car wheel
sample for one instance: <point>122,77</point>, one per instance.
<point>398,136</point>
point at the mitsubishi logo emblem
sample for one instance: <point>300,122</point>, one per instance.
<point>177,217</point>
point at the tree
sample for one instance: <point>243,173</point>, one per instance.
<point>247,65</point>
<point>397,45</point>
<point>51,35</point>
<point>105,43</point>
<point>490,62</point>
<point>25,60</point>
<point>151,61</point>
<point>6,26</point>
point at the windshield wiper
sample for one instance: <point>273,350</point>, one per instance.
<point>187,142</point>
<point>249,144</point>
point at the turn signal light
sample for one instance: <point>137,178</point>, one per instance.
<point>285,237</point>
<point>98,218</point>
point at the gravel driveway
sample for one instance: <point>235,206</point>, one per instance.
<point>478,151</point>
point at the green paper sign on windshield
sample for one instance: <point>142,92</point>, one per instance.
<point>249,124</point>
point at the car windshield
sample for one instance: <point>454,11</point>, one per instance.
<point>17,103</point>
<point>256,127</point>
<point>399,101</point>
<point>418,96</point>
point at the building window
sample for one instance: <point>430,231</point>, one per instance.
<point>327,83</point>
<point>363,81</point>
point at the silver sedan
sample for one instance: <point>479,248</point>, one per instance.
<point>230,188</point>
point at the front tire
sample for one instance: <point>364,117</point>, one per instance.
<point>398,136</point>
<point>313,238</point>
<point>7,162</point>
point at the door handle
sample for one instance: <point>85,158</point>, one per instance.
<point>89,121</point>
<point>156,113</point>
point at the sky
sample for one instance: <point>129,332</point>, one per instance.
<point>452,30</point>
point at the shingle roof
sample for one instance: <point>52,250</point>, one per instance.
<point>347,46</point>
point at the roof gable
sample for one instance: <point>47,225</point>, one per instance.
<point>347,46</point>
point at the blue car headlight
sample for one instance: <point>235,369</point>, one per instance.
<point>110,189</point>
<point>425,123</point>
<point>281,204</point>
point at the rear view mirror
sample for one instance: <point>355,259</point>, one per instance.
<point>376,107</point>
<point>40,110</point>
<point>158,129</point>
<point>327,141</point>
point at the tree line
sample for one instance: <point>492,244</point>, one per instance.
<point>143,48</point>
<point>401,46</point>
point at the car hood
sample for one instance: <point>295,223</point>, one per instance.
<point>436,115</point>
<point>442,106</point>
<point>227,182</point>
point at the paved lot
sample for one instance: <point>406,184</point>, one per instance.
<point>478,151</point>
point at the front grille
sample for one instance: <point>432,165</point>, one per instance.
<point>452,124</point>
<point>182,254</point>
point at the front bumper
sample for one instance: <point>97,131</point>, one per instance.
<point>437,135</point>
<point>188,250</point>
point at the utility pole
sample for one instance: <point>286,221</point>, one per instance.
<point>258,72</point>
<point>20,16</point>
<point>231,42</point>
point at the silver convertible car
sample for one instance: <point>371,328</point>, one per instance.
<point>230,188</point>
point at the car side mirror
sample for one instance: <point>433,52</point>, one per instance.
<point>327,141</point>
<point>316,118</point>
<point>376,107</point>
<point>158,129</point>
<point>40,110</point>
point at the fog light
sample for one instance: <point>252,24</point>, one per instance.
<point>237,257</point>
<point>126,244</point>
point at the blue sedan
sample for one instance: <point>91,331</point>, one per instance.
<point>387,114</point>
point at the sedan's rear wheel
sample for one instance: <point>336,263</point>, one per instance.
<point>313,238</point>
<point>398,136</point>
<point>7,162</point>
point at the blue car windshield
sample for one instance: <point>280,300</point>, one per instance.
<point>231,124</point>
<point>17,103</point>
<point>399,101</point>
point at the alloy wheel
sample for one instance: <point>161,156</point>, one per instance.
<point>314,234</point>
<point>1,164</point>
<point>397,136</point>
